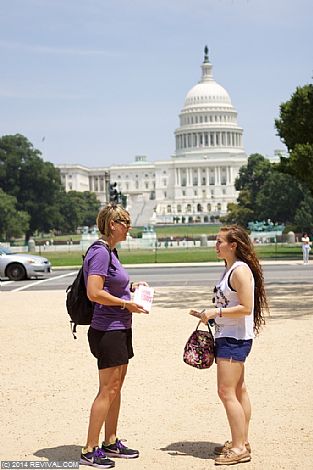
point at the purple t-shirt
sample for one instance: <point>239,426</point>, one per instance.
<point>105,317</point>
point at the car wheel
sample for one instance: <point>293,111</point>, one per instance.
<point>15,272</point>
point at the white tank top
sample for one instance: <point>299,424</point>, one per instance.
<point>241,327</point>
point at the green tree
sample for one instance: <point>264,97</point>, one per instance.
<point>252,177</point>
<point>279,198</point>
<point>266,193</point>
<point>254,173</point>
<point>36,184</point>
<point>237,215</point>
<point>92,206</point>
<point>77,209</point>
<point>249,182</point>
<point>13,223</point>
<point>295,128</point>
<point>300,164</point>
<point>304,214</point>
<point>295,125</point>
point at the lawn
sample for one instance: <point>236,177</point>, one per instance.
<point>163,231</point>
<point>191,255</point>
<point>186,230</point>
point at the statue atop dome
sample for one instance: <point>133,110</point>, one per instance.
<point>206,54</point>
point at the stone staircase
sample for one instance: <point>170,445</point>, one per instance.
<point>141,211</point>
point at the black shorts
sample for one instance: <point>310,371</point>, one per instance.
<point>111,348</point>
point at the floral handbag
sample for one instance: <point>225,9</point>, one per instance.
<point>199,349</point>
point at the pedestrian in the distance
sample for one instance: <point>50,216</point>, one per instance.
<point>306,248</point>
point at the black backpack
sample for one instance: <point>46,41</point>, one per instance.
<point>79,307</point>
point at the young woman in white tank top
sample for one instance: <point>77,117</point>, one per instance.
<point>240,327</point>
<point>238,314</point>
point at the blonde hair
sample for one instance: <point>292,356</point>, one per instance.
<point>108,213</point>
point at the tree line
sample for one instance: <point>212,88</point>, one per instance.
<point>282,192</point>
<point>32,197</point>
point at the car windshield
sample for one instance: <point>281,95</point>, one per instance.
<point>5,251</point>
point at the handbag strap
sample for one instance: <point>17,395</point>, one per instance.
<point>208,325</point>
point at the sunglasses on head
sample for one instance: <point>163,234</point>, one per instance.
<point>123,222</point>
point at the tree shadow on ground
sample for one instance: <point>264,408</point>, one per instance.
<point>289,302</point>
<point>60,453</point>
<point>200,450</point>
<point>285,301</point>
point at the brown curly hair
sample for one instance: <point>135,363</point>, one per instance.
<point>245,252</point>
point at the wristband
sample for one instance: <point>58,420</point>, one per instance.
<point>131,287</point>
<point>123,305</point>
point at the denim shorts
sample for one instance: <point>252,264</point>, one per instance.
<point>232,348</point>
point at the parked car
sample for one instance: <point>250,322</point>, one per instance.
<point>18,266</point>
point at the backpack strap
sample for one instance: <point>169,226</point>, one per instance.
<point>106,245</point>
<point>73,329</point>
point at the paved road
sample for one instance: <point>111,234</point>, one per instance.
<point>275,273</point>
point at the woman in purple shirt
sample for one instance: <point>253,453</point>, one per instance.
<point>109,336</point>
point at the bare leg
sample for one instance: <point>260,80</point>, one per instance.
<point>113,413</point>
<point>228,378</point>
<point>243,398</point>
<point>109,387</point>
<point>305,255</point>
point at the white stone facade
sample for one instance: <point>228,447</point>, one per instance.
<point>197,183</point>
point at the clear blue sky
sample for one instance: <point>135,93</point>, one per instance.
<point>97,82</point>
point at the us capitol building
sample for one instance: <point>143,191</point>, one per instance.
<point>197,183</point>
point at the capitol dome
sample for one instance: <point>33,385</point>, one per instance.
<point>209,93</point>
<point>208,120</point>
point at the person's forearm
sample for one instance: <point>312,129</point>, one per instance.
<point>228,312</point>
<point>234,312</point>
<point>216,312</point>
<point>104,298</point>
